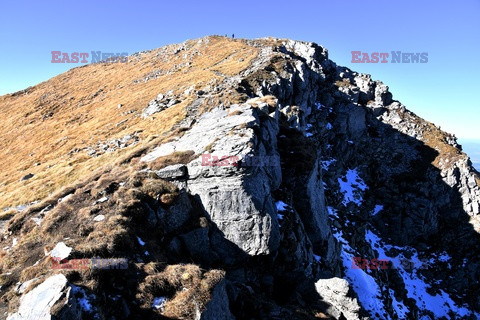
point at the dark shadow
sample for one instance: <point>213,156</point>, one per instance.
<point>420,209</point>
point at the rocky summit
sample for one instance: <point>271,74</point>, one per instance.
<point>232,179</point>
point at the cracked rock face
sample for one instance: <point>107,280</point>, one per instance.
<point>352,123</point>
<point>237,199</point>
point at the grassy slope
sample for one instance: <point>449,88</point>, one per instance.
<point>78,108</point>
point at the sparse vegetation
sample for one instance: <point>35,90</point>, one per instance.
<point>269,100</point>
<point>187,289</point>
<point>235,113</point>
<point>7,214</point>
<point>209,147</point>
<point>156,188</point>
<point>477,179</point>
<point>176,157</point>
<point>77,109</point>
<point>72,221</point>
<point>435,139</point>
<point>343,83</point>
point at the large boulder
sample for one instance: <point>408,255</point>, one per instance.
<point>39,302</point>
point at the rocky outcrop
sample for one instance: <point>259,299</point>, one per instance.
<point>218,306</point>
<point>53,293</point>
<point>335,291</point>
<point>159,104</point>
<point>246,216</point>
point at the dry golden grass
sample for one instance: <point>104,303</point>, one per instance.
<point>156,188</point>
<point>7,214</point>
<point>176,157</point>
<point>343,83</point>
<point>71,221</point>
<point>235,113</point>
<point>269,100</point>
<point>209,147</point>
<point>78,108</point>
<point>435,139</point>
<point>187,288</point>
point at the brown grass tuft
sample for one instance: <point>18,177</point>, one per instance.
<point>477,179</point>
<point>235,113</point>
<point>155,188</point>
<point>343,83</point>
<point>5,215</point>
<point>187,289</point>
<point>177,157</point>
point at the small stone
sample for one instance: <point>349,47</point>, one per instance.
<point>98,218</point>
<point>61,251</point>
<point>102,200</point>
<point>27,177</point>
<point>172,102</point>
<point>475,208</point>
<point>173,172</point>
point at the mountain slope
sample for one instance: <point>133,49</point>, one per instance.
<point>47,129</point>
<point>319,168</point>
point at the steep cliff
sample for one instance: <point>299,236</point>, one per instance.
<point>260,181</point>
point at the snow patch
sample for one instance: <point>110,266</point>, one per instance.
<point>364,285</point>
<point>400,309</point>
<point>326,163</point>
<point>140,241</point>
<point>444,257</point>
<point>352,186</point>
<point>102,200</point>
<point>159,303</point>
<point>83,299</point>
<point>440,304</point>
<point>281,206</point>
<point>377,209</point>
<point>332,212</point>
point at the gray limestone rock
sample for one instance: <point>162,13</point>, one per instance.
<point>37,303</point>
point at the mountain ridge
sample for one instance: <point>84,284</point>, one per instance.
<point>352,173</point>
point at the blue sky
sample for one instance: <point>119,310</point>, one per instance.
<point>443,91</point>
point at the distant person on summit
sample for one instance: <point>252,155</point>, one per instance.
<point>233,35</point>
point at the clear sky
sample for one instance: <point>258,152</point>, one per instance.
<point>444,90</point>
